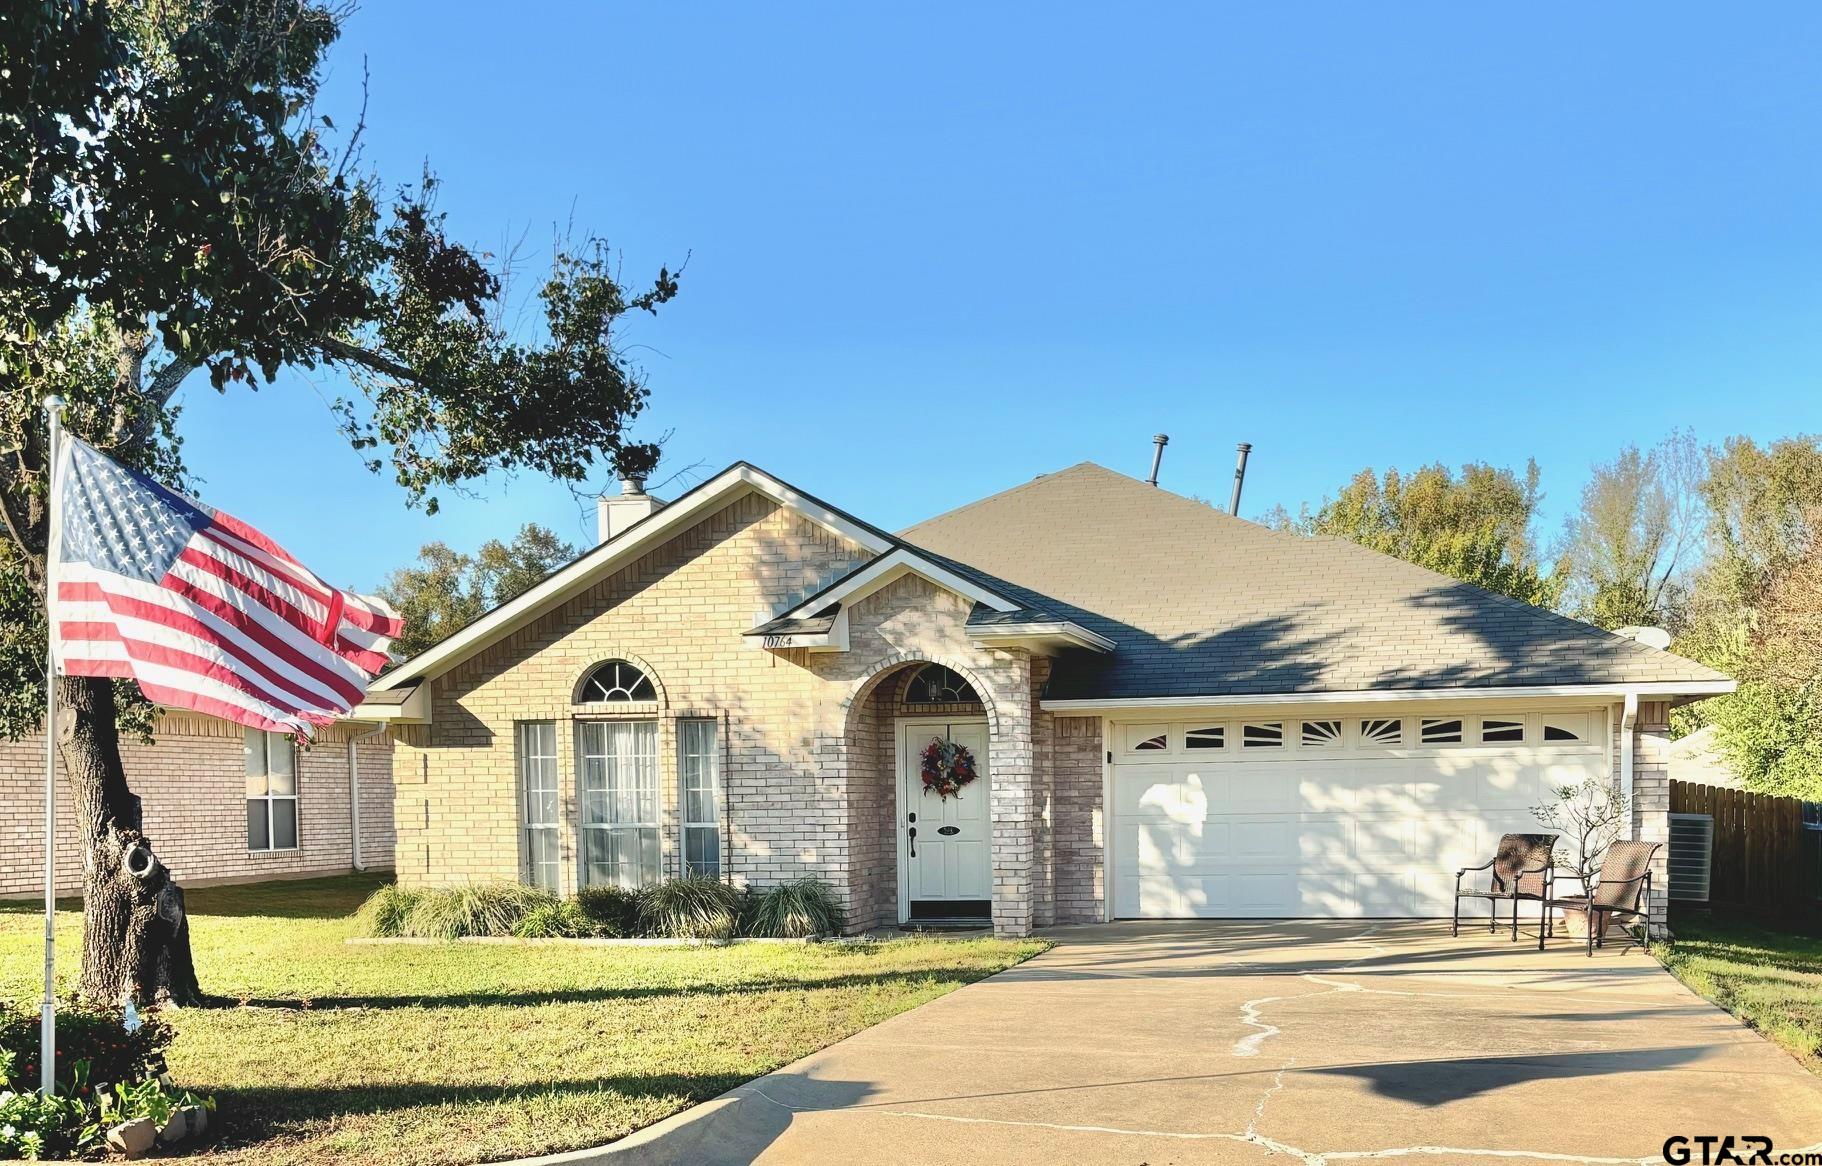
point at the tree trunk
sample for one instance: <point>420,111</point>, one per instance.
<point>135,936</point>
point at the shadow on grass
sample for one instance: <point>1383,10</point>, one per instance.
<point>944,978</point>
<point>325,898</point>
<point>333,897</point>
<point>736,1133</point>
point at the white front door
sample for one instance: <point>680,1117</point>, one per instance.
<point>945,844</point>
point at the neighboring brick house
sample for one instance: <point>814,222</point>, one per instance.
<point>1172,712</point>
<point>221,804</point>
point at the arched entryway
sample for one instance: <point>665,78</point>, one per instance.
<point>920,854</point>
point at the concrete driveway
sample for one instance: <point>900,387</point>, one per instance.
<point>1267,1042</point>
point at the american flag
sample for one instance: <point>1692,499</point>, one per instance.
<point>204,611</point>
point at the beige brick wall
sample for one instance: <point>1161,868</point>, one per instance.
<point>804,741</point>
<point>1651,799</point>
<point>192,787</point>
<point>1079,820</point>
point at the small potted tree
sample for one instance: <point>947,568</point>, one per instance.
<point>1590,817</point>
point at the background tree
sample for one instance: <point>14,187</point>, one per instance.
<point>444,590</point>
<point>170,204</point>
<point>1476,527</point>
<point>1627,552</point>
<point>1754,615</point>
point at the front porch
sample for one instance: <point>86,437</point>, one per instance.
<point>916,855</point>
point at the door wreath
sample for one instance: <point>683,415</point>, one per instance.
<point>947,767</point>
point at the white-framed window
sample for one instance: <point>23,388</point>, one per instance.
<point>1147,738</point>
<point>1262,735</point>
<point>619,790</point>
<point>1381,731</point>
<point>1321,734</point>
<point>539,801</point>
<point>1439,730</point>
<point>271,791</point>
<point>617,682</point>
<point>699,801</point>
<point>1564,728</point>
<point>1501,730</point>
<point>1206,737</point>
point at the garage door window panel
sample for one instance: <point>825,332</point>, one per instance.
<point>1502,731</point>
<point>1382,731</point>
<point>1146,738</point>
<point>1206,737</point>
<point>1266,735</point>
<point>1440,730</point>
<point>1321,734</point>
<point>1566,729</point>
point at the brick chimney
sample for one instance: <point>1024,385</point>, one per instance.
<point>616,512</point>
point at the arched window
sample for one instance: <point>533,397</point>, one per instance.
<point>935,684</point>
<point>616,682</point>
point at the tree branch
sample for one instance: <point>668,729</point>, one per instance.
<point>355,354</point>
<point>164,384</point>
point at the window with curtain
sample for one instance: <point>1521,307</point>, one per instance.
<point>699,770</point>
<point>539,801</point>
<point>271,791</point>
<point>619,791</point>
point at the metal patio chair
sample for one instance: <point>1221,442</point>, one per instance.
<point>1521,873</point>
<point>1622,887</point>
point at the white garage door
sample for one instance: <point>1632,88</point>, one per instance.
<point>1327,816</point>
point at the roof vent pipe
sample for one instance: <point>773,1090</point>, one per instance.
<point>1157,458</point>
<point>1245,448</point>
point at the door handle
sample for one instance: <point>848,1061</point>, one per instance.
<point>913,835</point>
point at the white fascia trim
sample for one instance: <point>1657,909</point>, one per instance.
<point>615,553</point>
<point>895,564</point>
<point>1629,715</point>
<point>1064,630</point>
<point>1372,696</point>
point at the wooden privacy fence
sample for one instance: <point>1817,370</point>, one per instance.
<point>1764,859</point>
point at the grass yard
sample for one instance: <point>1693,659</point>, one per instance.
<point>1772,980</point>
<point>465,1053</point>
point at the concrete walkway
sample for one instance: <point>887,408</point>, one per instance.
<point>1269,1042</point>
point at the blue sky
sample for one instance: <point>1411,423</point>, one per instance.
<point>935,250</point>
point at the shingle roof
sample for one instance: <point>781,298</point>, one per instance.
<point>1204,604</point>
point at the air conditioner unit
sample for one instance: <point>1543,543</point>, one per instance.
<point>1691,856</point>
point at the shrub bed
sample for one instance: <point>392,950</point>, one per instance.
<point>108,1073</point>
<point>692,907</point>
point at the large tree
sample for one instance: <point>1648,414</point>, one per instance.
<point>444,591</point>
<point>1754,612</point>
<point>172,203</point>
<point>1628,550</point>
<point>1476,527</point>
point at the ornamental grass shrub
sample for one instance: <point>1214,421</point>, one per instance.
<point>612,912</point>
<point>383,914</point>
<point>492,909</point>
<point>692,907</point>
<point>795,910</point>
<point>560,920</point>
<point>476,909</point>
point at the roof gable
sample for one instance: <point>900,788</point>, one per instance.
<point>1205,604</point>
<point>603,560</point>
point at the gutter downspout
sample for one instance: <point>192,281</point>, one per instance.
<point>1629,715</point>
<point>354,792</point>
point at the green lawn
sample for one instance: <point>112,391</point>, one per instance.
<point>1772,980</point>
<point>463,1052</point>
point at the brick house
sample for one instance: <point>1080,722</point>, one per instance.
<point>1170,712</point>
<point>222,804</point>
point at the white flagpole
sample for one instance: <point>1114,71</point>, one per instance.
<point>47,1033</point>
